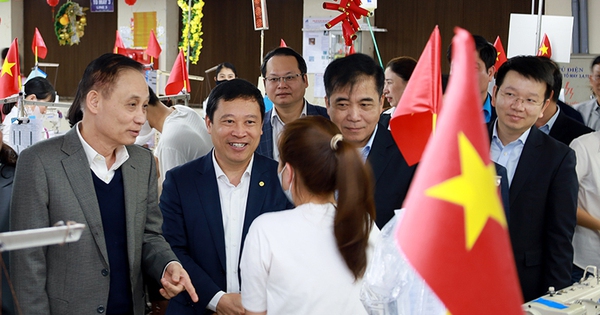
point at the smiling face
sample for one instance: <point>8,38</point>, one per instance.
<point>355,110</point>
<point>394,87</point>
<point>235,131</point>
<point>116,113</point>
<point>285,94</point>
<point>519,102</point>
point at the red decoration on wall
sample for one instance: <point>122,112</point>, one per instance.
<point>130,2</point>
<point>351,11</point>
<point>52,3</point>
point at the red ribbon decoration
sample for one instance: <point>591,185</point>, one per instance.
<point>351,11</point>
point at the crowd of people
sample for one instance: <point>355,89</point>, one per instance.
<point>278,211</point>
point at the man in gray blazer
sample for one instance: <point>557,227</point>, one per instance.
<point>93,175</point>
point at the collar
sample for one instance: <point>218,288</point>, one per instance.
<point>219,171</point>
<point>121,154</point>
<point>522,138</point>
<point>548,126</point>
<point>367,148</point>
<point>275,116</point>
<point>487,108</point>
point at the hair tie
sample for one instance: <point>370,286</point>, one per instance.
<point>334,141</point>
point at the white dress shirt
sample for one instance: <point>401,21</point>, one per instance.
<point>98,162</point>
<point>233,209</point>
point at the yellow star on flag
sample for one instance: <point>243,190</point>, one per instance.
<point>544,49</point>
<point>497,56</point>
<point>6,66</point>
<point>474,189</point>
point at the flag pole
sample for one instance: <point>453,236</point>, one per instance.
<point>262,45</point>
<point>36,55</point>
<point>539,26</point>
<point>374,41</point>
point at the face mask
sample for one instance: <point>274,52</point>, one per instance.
<point>288,193</point>
<point>219,82</point>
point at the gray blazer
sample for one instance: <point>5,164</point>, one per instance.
<point>586,110</point>
<point>53,182</point>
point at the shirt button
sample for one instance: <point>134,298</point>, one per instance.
<point>100,309</point>
<point>105,272</point>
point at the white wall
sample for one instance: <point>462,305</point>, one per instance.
<point>11,24</point>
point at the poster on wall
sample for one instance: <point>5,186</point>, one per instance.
<point>522,35</point>
<point>576,79</point>
<point>102,6</point>
<point>261,19</point>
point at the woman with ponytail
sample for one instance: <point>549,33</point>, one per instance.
<point>310,260</point>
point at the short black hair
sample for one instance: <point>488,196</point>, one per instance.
<point>226,65</point>
<point>347,71</point>
<point>284,51</point>
<point>596,61</point>
<point>4,53</point>
<point>41,88</point>
<point>530,67</point>
<point>487,52</point>
<point>153,100</point>
<point>556,75</point>
<point>402,66</point>
<point>231,90</point>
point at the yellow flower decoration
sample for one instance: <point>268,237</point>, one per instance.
<point>192,28</point>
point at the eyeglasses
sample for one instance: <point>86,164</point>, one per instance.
<point>527,102</point>
<point>595,78</point>
<point>287,79</point>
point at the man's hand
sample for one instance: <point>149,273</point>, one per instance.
<point>230,304</point>
<point>175,280</point>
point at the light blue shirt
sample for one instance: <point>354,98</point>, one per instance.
<point>507,156</point>
<point>548,126</point>
<point>364,151</point>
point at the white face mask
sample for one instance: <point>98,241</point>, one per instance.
<point>288,193</point>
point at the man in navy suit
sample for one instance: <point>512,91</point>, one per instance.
<point>354,99</point>
<point>285,79</point>
<point>209,203</point>
<point>555,121</point>
<point>541,175</point>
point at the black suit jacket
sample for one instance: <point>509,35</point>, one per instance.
<point>565,129</point>
<point>265,147</point>
<point>193,223</point>
<point>570,111</point>
<point>543,205</point>
<point>391,173</point>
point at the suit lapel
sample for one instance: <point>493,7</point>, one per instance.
<point>377,156</point>
<point>131,182</point>
<point>257,194</point>
<point>208,191</point>
<point>558,129</point>
<point>78,171</point>
<point>529,158</point>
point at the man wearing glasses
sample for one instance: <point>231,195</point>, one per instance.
<point>590,110</point>
<point>541,175</point>
<point>284,73</point>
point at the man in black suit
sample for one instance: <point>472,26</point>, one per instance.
<point>541,174</point>
<point>284,74</point>
<point>354,99</point>
<point>555,121</point>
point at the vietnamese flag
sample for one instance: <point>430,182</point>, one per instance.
<point>454,232</point>
<point>153,49</point>
<point>178,79</point>
<point>10,77</point>
<point>500,53</point>
<point>282,43</point>
<point>414,119</point>
<point>118,43</point>
<point>38,46</point>
<point>545,49</point>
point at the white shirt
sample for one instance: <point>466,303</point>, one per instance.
<point>364,151</point>
<point>509,155</point>
<point>277,124</point>
<point>233,209</point>
<point>184,138</point>
<point>98,162</point>
<point>291,265</point>
<point>586,242</point>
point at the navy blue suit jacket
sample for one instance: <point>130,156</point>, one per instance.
<point>543,205</point>
<point>565,129</point>
<point>266,140</point>
<point>193,223</point>
<point>570,111</point>
<point>391,173</point>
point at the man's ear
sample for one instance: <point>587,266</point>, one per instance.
<point>381,102</point>
<point>208,123</point>
<point>494,92</point>
<point>92,101</point>
<point>491,71</point>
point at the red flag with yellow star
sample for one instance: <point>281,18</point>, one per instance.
<point>545,49</point>
<point>10,77</point>
<point>415,117</point>
<point>454,231</point>
<point>500,53</point>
